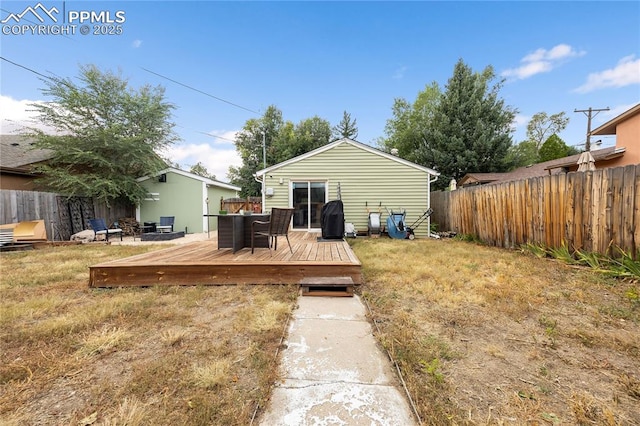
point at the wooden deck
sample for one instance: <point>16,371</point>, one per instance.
<point>202,263</point>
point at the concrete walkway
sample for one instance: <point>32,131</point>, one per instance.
<point>332,371</point>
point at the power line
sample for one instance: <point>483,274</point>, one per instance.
<point>200,91</point>
<point>27,68</point>
<point>61,80</point>
<point>216,136</point>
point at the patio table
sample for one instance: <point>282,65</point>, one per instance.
<point>234,230</point>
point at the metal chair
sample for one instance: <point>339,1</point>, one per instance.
<point>279,222</point>
<point>100,228</point>
<point>166,224</point>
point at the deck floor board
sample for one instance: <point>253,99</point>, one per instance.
<point>202,263</point>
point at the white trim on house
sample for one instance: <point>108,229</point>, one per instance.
<point>203,179</point>
<point>350,142</point>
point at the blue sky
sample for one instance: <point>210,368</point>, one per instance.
<point>322,58</point>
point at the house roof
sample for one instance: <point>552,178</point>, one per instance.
<point>208,181</point>
<point>540,169</point>
<point>609,128</point>
<point>348,142</point>
<point>17,152</point>
<point>598,155</point>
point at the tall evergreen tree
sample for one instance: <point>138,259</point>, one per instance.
<point>346,128</point>
<point>471,127</point>
<point>107,135</point>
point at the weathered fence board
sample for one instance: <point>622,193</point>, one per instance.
<point>595,211</point>
<point>62,216</point>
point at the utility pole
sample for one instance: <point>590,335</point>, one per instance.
<point>588,113</point>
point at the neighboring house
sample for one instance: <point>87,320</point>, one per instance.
<point>364,178</point>
<point>17,158</point>
<point>603,158</point>
<point>186,196</point>
<point>626,128</point>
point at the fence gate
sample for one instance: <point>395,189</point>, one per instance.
<point>74,214</point>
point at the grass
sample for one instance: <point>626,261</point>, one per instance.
<point>134,356</point>
<point>482,335</point>
<point>491,336</point>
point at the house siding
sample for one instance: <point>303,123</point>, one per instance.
<point>215,194</point>
<point>182,197</point>
<point>627,135</point>
<point>179,196</point>
<point>365,180</point>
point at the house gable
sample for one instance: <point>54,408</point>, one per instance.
<point>346,141</point>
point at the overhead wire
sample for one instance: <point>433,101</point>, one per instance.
<point>199,91</point>
<point>61,80</point>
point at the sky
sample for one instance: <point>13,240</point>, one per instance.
<point>223,63</point>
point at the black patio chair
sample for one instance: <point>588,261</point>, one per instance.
<point>279,222</point>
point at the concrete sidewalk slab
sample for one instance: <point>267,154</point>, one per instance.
<point>333,372</point>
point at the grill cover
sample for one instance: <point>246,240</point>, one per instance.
<point>332,220</point>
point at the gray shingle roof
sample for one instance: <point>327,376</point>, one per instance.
<point>16,152</point>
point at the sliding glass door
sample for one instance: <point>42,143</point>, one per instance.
<point>308,198</point>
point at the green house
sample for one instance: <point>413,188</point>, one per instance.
<point>186,196</point>
<point>364,178</point>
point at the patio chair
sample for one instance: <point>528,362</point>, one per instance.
<point>166,224</point>
<point>278,226</point>
<point>100,228</point>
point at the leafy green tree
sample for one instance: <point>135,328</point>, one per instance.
<point>542,126</point>
<point>522,154</point>
<point>249,144</point>
<point>470,129</point>
<point>553,148</point>
<point>346,128</point>
<point>106,135</point>
<point>201,170</point>
<point>309,134</point>
<point>282,141</point>
<point>406,128</point>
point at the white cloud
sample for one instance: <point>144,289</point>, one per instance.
<point>542,60</point>
<point>625,73</point>
<point>136,44</point>
<point>399,73</point>
<point>216,160</point>
<point>17,114</point>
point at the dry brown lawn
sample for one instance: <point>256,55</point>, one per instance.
<point>72,355</point>
<point>482,335</point>
<point>492,336</point>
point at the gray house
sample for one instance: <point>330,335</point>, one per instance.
<point>364,178</point>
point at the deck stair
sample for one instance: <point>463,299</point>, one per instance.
<point>327,286</point>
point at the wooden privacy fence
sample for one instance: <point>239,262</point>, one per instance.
<point>63,216</point>
<point>589,211</point>
<point>234,205</point>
